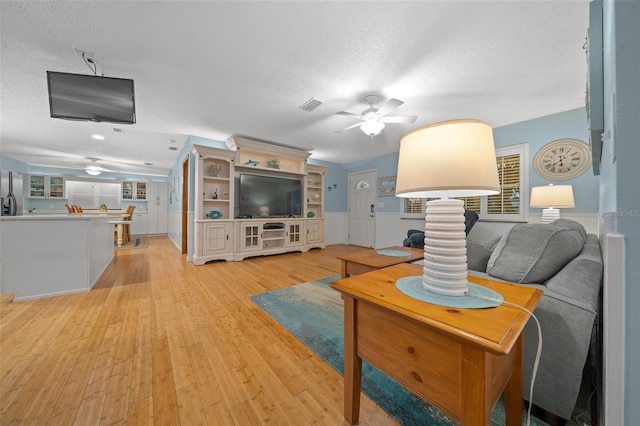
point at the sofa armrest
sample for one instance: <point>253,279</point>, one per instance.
<point>580,280</point>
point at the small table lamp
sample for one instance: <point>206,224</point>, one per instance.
<point>553,197</point>
<point>448,159</point>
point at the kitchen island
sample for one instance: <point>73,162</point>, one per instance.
<point>54,254</point>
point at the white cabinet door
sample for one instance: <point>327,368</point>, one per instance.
<point>157,207</point>
<point>250,236</point>
<point>42,186</point>
<point>139,225</point>
<point>215,238</point>
<point>295,233</point>
<point>315,231</point>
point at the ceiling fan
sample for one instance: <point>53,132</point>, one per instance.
<point>94,169</point>
<point>374,119</point>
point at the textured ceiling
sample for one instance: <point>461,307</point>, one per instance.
<point>216,69</point>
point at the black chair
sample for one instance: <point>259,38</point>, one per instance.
<point>415,237</point>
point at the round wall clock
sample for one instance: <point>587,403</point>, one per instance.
<point>562,159</point>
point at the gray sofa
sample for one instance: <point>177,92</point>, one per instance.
<point>415,237</point>
<point>565,262</point>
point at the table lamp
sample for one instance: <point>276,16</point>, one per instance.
<point>553,197</point>
<point>448,159</point>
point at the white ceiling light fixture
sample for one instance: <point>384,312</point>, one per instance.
<point>93,169</point>
<point>98,137</point>
<point>374,119</point>
<point>372,127</point>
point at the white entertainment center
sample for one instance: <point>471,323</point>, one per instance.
<point>222,234</point>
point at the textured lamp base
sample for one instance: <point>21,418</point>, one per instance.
<point>445,248</point>
<point>550,214</point>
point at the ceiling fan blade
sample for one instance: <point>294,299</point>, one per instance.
<point>389,106</point>
<point>399,119</point>
<point>348,127</point>
<point>348,114</point>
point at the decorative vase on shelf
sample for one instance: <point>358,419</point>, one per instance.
<point>273,163</point>
<point>214,169</point>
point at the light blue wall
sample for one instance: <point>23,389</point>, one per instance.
<point>620,181</point>
<point>540,131</point>
<point>537,132</point>
<point>12,165</point>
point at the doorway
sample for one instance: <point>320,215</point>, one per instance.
<point>362,216</point>
<point>185,204</point>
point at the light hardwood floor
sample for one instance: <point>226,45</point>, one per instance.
<point>162,341</point>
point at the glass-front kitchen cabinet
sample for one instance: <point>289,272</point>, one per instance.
<point>134,191</point>
<point>43,186</point>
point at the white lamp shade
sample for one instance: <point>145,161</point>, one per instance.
<point>449,159</point>
<point>557,196</point>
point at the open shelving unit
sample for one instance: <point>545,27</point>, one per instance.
<point>213,216</point>
<point>218,235</point>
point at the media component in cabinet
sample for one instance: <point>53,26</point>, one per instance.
<point>265,237</point>
<point>273,235</point>
<point>43,186</point>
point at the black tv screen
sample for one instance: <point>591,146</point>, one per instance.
<point>91,98</point>
<point>269,196</point>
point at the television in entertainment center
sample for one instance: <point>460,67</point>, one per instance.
<point>85,97</point>
<point>269,196</point>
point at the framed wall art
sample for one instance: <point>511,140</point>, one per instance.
<point>387,186</point>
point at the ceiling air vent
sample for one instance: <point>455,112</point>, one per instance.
<point>173,148</point>
<point>310,105</point>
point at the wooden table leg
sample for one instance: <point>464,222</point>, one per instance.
<point>352,363</point>
<point>119,230</point>
<point>343,268</point>
<point>474,391</point>
<point>513,391</point>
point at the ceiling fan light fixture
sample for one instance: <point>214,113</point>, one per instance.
<point>93,170</point>
<point>372,128</point>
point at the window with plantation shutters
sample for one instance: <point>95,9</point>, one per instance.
<point>412,208</point>
<point>511,205</point>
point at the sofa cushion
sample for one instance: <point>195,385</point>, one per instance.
<point>568,223</point>
<point>478,254</point>
<point>534,252</point>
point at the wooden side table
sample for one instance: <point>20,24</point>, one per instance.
<point>369,260</point>
<point>459,360</point>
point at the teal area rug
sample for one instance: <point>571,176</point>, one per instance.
<point>313,312</point>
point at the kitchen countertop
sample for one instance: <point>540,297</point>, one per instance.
<point>60,216</point>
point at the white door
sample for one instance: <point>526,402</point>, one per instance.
<point>362,198</point>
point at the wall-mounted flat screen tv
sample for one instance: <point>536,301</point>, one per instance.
<point>91,98</point>
<point>269,196</point>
